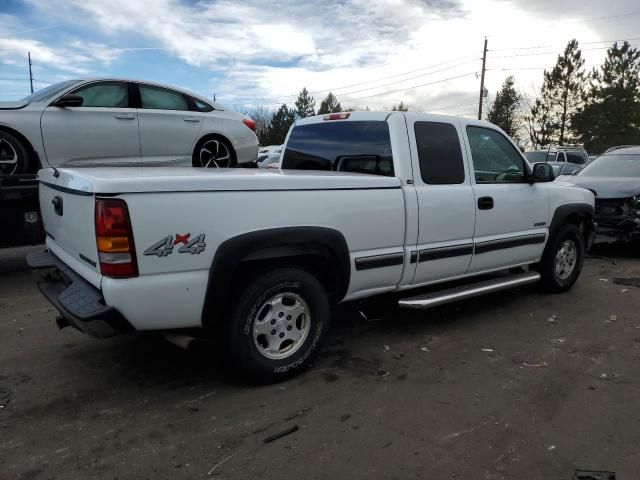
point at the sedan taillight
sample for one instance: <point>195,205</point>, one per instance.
<point>250,124</point>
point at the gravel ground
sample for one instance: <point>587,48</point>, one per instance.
<point>517,385</point>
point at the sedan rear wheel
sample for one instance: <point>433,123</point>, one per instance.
<point>214,153</point>
<point>13,155</point>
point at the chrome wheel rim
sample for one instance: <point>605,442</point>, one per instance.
<point>214,154</point>
<point>281,325</point>
<point>8,158</point>
<point>566,259</point>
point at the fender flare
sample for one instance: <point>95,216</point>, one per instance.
<point>273,243</point>
<point>582,210</point>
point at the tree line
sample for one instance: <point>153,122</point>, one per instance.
<point>272,126</point>
<point>597,109</point>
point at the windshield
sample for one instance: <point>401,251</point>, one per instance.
<point>535,157</point>
<point>613,165</point>
<point>50,91</point>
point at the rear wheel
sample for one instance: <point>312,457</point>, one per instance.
<point>562,259</point>
<point>277,325</point>
<point>14,157</point>
<point>213,152</point>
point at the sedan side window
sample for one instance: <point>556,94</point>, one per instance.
<point>162,99</point>
<point>495,160</point>
<point>104,94</point>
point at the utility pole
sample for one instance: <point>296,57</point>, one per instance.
<point>484,63</point>
<point>30,72</point>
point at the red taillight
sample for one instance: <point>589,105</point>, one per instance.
<point>114,238</point>
<point>249,123</point>
<point>337,116</point>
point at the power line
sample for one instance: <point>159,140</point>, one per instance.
<point>416,86</point>
<point>391,83</point>
<point>545,53</point>
<point>531,68</point>
<point>602,18</point>
<point>335,89</point>
<point>449,107</point>
<point>401,74</point>
<point>551,46</point>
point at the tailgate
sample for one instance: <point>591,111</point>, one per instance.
<point>68,217</point>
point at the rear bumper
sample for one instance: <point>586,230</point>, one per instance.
<point>80,303</point>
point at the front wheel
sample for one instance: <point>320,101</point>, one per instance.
<point>562,259</point>
<point>277,325</point>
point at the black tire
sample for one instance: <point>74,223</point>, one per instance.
<point>552,281</point>
<point>198,161</point>
<point>10,146</point>
<point>242,348</point>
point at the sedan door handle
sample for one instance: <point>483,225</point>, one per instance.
<point>125,116</point>
<point>485,203</point>
<point>191,119</point>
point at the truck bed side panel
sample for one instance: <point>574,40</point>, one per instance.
<point>371,220</point>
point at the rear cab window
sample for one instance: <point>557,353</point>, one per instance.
<point>340,146</point>
<point>439,153</point>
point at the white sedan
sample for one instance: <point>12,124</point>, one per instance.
<point>121,122</point>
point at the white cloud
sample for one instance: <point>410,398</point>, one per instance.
<point>97,51</point>
<point>263,52</point>
<point>11,49</point>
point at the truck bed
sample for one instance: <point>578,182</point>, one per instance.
<point>187,179</point>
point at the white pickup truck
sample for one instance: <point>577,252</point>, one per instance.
<point>366,203</point>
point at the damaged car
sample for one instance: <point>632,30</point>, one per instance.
<point>614,178</point>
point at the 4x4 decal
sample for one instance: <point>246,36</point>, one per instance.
<point>165,246</point>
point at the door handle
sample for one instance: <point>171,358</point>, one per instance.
<point>485,203</point>
<point>125,116</point>
<point>57,205</point>
<point>191,119</point>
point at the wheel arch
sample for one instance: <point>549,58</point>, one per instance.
<point>580,214</point>
<point>212,136</point>
<point>321,251</point>
<point>33,160</point>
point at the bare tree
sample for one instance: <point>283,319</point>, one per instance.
<point>262,116</point>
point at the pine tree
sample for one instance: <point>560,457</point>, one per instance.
<point>561,95</point>
<point>566,84</point>
<point>504,111</point>
<point>611,113</point>
<point>329,105</point>
<point>280,124</point>
<point>305,104</point>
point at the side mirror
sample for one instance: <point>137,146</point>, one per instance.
<point>543,172</point>
<point>69,100</point>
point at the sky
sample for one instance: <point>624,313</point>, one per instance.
<point>369,53</point>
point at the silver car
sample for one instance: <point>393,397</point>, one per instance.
<point>121,122</point>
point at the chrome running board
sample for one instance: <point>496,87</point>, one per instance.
<point>454,294</point>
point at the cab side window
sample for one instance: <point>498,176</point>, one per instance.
<point>439,153</point>
<point>104,94</point>
<point>495,159</point>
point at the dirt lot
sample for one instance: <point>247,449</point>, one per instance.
<point>516,385</point>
